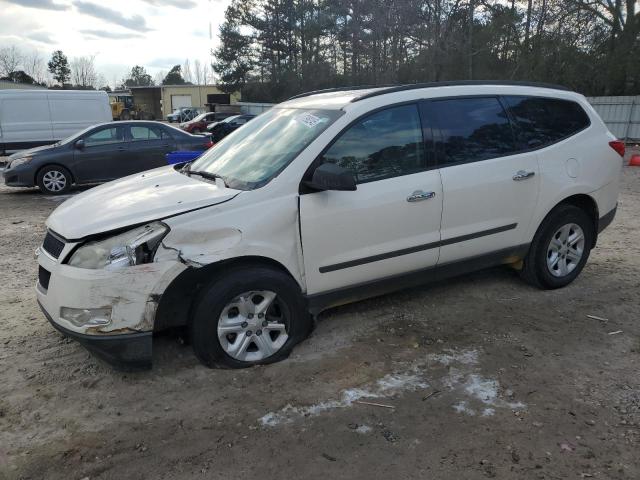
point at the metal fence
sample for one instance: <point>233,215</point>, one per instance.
<point>621,114</point>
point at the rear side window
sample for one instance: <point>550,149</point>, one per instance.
<point>382,145</point>
<point>144,133</point>
<point>543,121</point>
<point>470,129</point>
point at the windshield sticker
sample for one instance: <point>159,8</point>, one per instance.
<point>310,120</point>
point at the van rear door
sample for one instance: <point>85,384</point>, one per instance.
<point>25,120</point>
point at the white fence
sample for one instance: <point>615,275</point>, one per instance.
<point>621,114</point>
<point>250,108</point>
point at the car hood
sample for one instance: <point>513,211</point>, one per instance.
<point>140,198</point>
<point>31,151</point>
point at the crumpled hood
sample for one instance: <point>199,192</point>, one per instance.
<point>136,199</point>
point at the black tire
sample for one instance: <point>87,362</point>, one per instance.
<point>215,296</point>
<point>55,171</point>
<point>125,115</point>
<point>535,270</point>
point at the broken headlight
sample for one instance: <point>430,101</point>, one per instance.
<point>134,247</point>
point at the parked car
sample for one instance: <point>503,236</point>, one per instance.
<point>325,199</point>
<point>183,114</point>
<point>98,154</point>
<point>199,124</point>
<point>221,129</point>
<point>30,118</point>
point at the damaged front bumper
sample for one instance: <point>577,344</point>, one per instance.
<point>130,296</point>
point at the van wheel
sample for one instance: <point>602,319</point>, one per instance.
<point>54,180</point>
<point>560,248</point>
<point>248,316</point>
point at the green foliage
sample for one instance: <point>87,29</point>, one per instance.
<point>138,78</point>
<point>272,49</point>
<point>174,77</point>
<point>59,67</point>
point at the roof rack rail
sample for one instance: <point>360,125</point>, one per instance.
<point>340,89</point>
<point>414,86</point>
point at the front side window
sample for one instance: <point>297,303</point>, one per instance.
<point>105,136</point>
<point>470,129</point>
<point>542,121</point>
<point>144,133</point>
<point>382,145</point>
<point>252,155</point>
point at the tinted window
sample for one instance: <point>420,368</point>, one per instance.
<point>542,121</point>
<point>382,145</point>
<point>470,129</point>
<point>104,136</point>
<point>144,133</point>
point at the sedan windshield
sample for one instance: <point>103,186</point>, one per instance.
<point>252,155</point>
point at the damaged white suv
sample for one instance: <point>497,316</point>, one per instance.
<point>328,198</point>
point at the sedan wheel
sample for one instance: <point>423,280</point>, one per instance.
<point>54,180</point>
<point>565,250</point>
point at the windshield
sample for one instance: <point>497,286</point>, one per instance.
<point>252,155</point>
<point>75,136</point>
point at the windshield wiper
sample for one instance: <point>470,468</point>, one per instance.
<point>207,175</point>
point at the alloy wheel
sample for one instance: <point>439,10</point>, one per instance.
<point>253,326</point>
<point>565,250</point>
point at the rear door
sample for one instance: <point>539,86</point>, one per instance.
<point>490,189</point>
<point>391,223</point>
<point>104,156</point>
<point>147,148</point>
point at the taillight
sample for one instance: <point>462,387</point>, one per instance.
<point>209,144</point>
<point>618,146</point>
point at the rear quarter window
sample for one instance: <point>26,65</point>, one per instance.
<point>542,121</point>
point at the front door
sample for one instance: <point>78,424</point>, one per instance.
<point>490,189</point>
<point>103,155</point>
<point>391,223</point>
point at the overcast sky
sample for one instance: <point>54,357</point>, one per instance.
<point>120,33</point>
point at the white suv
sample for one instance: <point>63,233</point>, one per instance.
<point>328,198</point>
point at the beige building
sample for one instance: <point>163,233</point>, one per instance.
<point>161,100</point>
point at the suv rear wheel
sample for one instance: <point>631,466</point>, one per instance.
<point>248,316</point>
<point>560,248</point>
<point>54,180</point>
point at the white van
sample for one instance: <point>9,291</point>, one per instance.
<point>30,118</point>
<point>325,199</point>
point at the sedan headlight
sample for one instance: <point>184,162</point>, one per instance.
<point>133,247</point>
<point>20,161</point>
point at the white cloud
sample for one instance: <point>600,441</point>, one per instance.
<point>156,34</point>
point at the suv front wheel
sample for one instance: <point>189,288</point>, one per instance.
<point>248,316</point>
<point>560,248</point>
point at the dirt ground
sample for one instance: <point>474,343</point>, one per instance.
<point>486,376</point>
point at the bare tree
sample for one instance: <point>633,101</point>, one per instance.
<point>10,60</point>
<point>159,77</point>
<point>197,72</point>
<point>34,66</point>
<point>186,71</point>
<point>83,71</point>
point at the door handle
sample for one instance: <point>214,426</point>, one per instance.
<point>522,175</point>
<point>420,195</point>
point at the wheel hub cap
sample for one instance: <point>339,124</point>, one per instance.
<point>253,326</point>
<point>54,181</point>
<point>565,250</point>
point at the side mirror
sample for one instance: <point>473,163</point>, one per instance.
<point>330,176</point>
<point>79,144</point>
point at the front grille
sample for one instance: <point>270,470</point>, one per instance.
<point>43,277</point>
<point>52,245</point>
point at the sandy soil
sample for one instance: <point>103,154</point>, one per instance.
<point>486,376</point>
